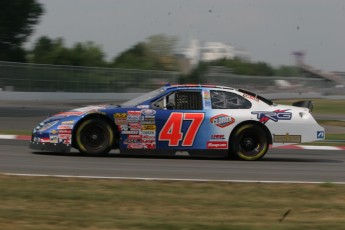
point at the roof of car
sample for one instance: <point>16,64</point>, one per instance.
<point>167,87</point>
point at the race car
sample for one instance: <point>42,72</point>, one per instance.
<point>196,119</point>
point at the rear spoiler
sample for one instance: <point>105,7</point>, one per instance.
<point>304,104</point>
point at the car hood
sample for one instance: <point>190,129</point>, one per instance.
<point>80,112</point>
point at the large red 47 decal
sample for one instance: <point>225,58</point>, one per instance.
<point>172,129</point>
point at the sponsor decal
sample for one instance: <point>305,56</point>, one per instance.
<point>54,139</point>
<point>67,122</point>
<point>131,141</point>
<point>148,137</point>
<point>222,120</point>
<point>124,127</point>
<point>320,134</point>
<point>65,131</point>
<point>148,112</point>
<point>217,137</point>
<point>149,146</point>
<point>287,138</point>
<point>67,141</point>
<point>134,113</point>
<point>64,136</point>
<point>121,120</point>
<point>135,146</point>
<point>208,104</point>
<point>131,132</point>
<point>148,141</point>
<point>133,116</point>
<point>134,126</point>
<point>70,113</point>
<point>207,95</point>
<point>148,127</point>
<point>148,132</point>
<point>44,140</point>
<point>250,97</point>
<point>149,122</point>
<point>148,118</point>
<point>275,116</point>
<point>65,127</point>
<point>217,145</point>
<point>120,115</point>
<point>134,137</point>
<point>53,131</point>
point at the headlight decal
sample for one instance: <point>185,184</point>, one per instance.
<point>47,126</point>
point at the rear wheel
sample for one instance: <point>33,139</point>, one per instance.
<point>248,142</point>
<point>94,137</point>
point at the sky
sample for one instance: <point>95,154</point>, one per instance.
<point>269,30</point>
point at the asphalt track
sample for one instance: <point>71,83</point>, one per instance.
<point>279,165</point>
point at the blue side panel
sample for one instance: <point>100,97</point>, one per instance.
<point>167,129</point>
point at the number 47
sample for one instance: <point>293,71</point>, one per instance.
<point>172,129</point>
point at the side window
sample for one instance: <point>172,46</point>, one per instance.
<point>188,100</point>
<point>180,100</point>
<point>228,100</point>
<point>159,104</point>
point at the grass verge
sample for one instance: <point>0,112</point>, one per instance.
<point>15,132</point>
<point>332,122</point>
<point>330,140</point>
<point>67,203</point>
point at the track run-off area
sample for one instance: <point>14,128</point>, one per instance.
<point>278,166</point>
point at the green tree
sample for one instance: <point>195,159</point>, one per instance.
<point>243,67</point>
<point>155,53</point>
<point>287,71</point>
<point>17,21</point>
<point>48,51</point>
<point>135,58</point>
<point>87,54</point>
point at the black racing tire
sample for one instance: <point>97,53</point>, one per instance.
<point>94,136</point>
<point>248,142</point>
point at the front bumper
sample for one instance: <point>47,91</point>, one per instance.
<point>62,148</point>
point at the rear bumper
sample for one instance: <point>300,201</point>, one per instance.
<point>62,148</point>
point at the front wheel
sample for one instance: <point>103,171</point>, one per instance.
<point>248,142</point>
<point>94,137</point>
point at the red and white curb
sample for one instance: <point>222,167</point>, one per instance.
<point>307,147</point>
<point>15,137</point>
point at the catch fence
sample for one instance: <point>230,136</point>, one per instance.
<point>25,77</point>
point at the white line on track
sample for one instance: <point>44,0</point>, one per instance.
<point>175,179</point>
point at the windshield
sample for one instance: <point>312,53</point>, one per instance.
<point>142,98</point>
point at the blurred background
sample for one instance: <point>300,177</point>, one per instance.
<point>132,47</point>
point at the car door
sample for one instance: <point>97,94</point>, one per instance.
<point>181,120</point>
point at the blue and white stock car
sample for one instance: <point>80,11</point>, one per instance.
<point>198,119</point>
